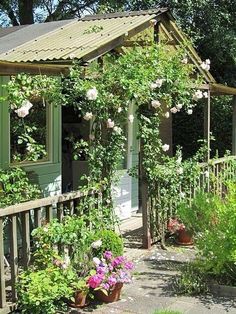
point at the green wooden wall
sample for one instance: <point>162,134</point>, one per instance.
<point>46,174</point>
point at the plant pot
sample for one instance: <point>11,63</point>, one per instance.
<point>113,296</point>
<point>81,300</point>
<point>184,237</point>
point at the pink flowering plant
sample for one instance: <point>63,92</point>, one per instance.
<point>109,271</point>
<point>174,225</point>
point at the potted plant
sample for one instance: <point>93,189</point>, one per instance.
<point>109,276</point>
<point>184,236</point>
<point>81,295</point>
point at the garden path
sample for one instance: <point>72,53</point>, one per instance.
<point>152,286</point>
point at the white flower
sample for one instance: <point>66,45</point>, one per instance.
<point>117,129</point>
<point>131,118</point>
<point>159,82</point>
<point>92,94</point>
<point>91,137</point>
<point>96,244</point>
<point>184,60</point>
<point>88,116</point>
<point>180,170</point>
<point>190,111</point>
<point>110,124</point>
<point>167,114</point>
<point>96,261</point>
<point>207,174</point>
<point>153,86</point>
<point>45,229</point>
<point>155,104</point>
<point>173,109</point>
<point>182,194</point>
<point>179,106</point>
<point>206,65</point>
<point>205,94</point>
<point>119,109</point>
<point>23,111</point>
<point>165,147</point>
<point>197,95</point>
<point>179,160</point>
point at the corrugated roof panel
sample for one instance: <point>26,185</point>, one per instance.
<point>18,35</point>
<point>78,38</point>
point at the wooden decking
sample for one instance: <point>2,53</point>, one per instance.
<point>131,230</point>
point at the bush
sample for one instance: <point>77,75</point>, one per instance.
<point>41,291</point>
<point>110,242</point>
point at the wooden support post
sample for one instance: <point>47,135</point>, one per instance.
<point>207,124</point>
<point>2,270</point>
<point>13,255</point>
<point>234,127</point>
<point>144,201</point>
<point>25,218</point>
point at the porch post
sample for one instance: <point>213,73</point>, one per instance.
<point>144,200</point>
<point>207,124</point>
<point>234,127</point>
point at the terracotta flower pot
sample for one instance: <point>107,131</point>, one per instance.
<point>184,237</point>
<point>81,300</point>
<point>113,296</point>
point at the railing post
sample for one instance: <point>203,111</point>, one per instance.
<point>2,270</point>
<point>13,255</point>
<point>234,127</point>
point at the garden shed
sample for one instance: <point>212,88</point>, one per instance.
<point>50,49</point>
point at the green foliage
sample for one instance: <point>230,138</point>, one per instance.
<point>191,281</point>
<point>15,187</point>
<point>111,241</point>
<point>201,213</point>
<point>216,244</point>
<point>166,312</point>
<point>41,291</point>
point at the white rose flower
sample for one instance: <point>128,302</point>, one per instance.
<point>155,104</point>
<point>45,229</point>
<point>180,170</point>
<point>117,129</point>
<point>179,106</point>
<point>96,244</point>
<point>205,94</point>
<point>153,86</point>
<point>23,111</point>
<point>110,124</point>
<point>88,116</point>
<point>119,109</point>
<point>179,160</point>
<point>184,60</point>
<point>207,174</point>
<point>205,65</point>
<point>92,94</point>
<point>131,118</point>
<point>190,111</point>
<point>182,194</point>
<point>173,109</point>
<point>96,261</point>
<point>208,61</point>
<point>159,82</point>
<point>165,147</point>
<point>167,114</point>
<point>197,95</point>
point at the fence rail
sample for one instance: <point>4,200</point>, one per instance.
<point>212,178</point>
<point>16,224</point>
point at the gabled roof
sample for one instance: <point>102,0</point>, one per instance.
<point>51,47</point>
<point>84,38</point>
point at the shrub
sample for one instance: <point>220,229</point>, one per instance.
<point>110,242</point>
<point>41,291</point>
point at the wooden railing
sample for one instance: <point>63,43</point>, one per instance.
<point>16,224</point>
<point>212,179</point>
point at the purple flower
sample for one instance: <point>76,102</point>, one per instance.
<point>129,265</point>
<point>118,261</point>
<point>111,280</point>
<point>95,281</point>
<point>101,270</point>
<point>108,255</point>
<point>106,286</point>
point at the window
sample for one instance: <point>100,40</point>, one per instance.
<point>29,136</point>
